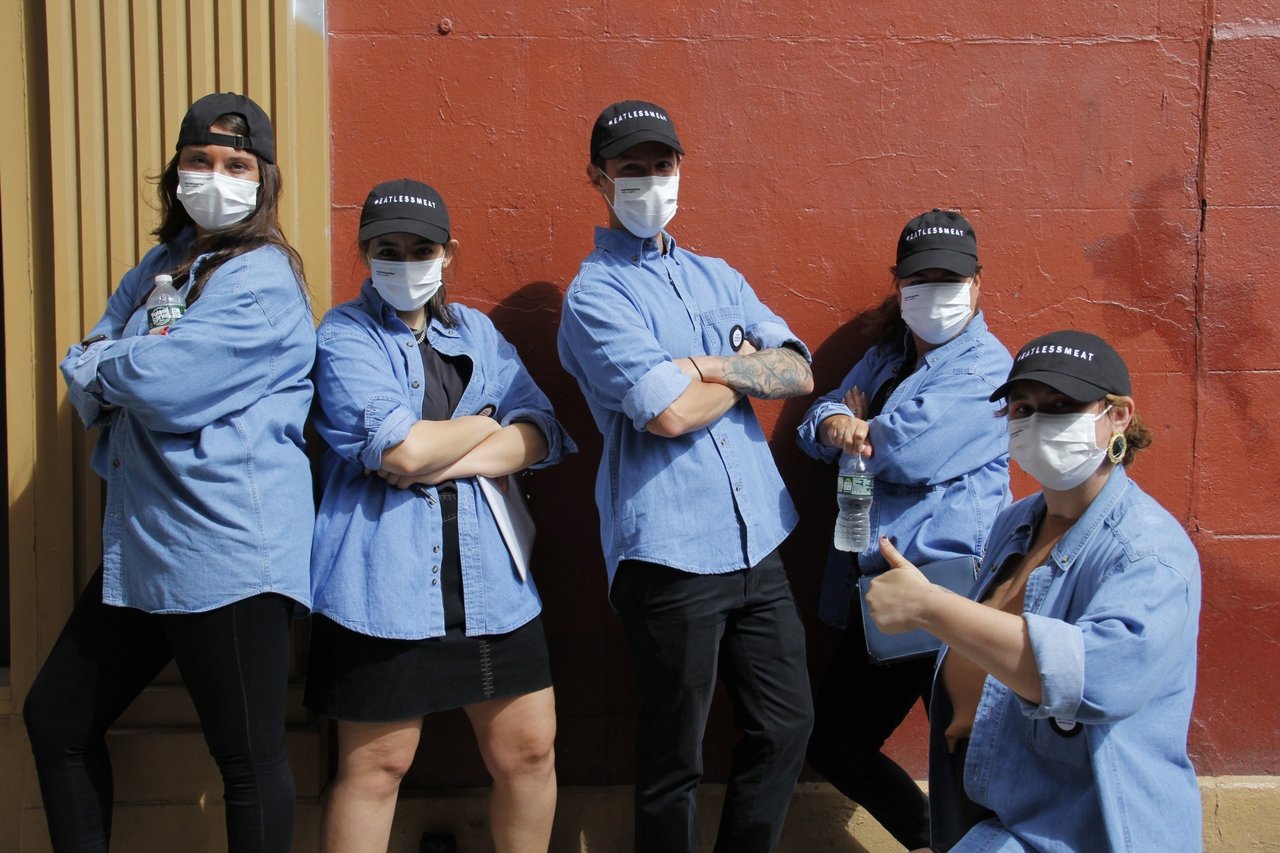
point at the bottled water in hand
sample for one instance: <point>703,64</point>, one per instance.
<point>165,304</point>
<point>854,487</point>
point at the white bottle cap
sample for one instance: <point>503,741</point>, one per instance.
<point>163,279</point>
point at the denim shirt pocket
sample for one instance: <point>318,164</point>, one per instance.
<point>718,329</point>
<point>1060,741</point>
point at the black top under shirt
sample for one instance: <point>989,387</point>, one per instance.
<point>446,377</point>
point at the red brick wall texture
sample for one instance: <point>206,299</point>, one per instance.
<point>1119,163</point>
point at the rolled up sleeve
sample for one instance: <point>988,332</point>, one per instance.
<point>1058,647</point>
<point>607,346</point>
<point>1109,662</point>
<point>362,411</point>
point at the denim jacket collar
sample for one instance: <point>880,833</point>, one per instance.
<point>620,242</point>
<point>1075,540</point>
<point>968,338</point>
<point>387,315</point>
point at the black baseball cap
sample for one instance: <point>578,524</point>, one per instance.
<point>1078,364</point>
<point>939,239</point>
<point>203,113</point>
<point>628,123</point>
<point>404,206</point>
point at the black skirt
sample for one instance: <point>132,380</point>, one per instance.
<point>356,677</point>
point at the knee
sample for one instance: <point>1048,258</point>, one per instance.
<point>46,729</point>
<point>377,775</point>
<point>797,726</point>
<point>527,753</point>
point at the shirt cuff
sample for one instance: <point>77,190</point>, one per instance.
<point>655,391</point>
<point>387,422</point>
<point>558,441</point>
<point>770,335</point>
<point>807,434</point>
<point>80,370</point>
<point>1058,647</point>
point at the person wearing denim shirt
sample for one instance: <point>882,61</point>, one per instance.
<point>667,347</point>
<point>941,472</point>
<point>419,603</point>
<point>1065,685</point>
<point>207,522</point>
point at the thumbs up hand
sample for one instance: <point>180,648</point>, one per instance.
<point>897,597</point>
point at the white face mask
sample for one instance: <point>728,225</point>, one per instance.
<point>1060,451</point>
<point>937,312</point>
<point>644,206</point>
<point>406,285</point>
<point>215,201</point>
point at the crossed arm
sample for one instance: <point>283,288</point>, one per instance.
<point>471,446</point>
<point>719,381</point>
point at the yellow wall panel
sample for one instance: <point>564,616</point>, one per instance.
<point>103,87</point>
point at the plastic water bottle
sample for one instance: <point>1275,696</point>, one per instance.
<point>854,488</point>
<point>165,305</point>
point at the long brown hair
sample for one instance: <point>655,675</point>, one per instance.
<point>259,228</point>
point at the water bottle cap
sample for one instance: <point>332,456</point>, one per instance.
<point>163,279</point>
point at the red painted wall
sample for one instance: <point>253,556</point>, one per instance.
<point>1118,161</point>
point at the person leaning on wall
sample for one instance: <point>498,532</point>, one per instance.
<point>419,603</point>
<point>205,543</point>
<point>916,406</point>
<point>1064,688</point>
<point>668,347</point>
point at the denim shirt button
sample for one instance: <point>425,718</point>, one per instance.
<point>723,442</point>
<point>416,383</point>
<point>409,344</point>
<point>115,463</point>
<point>435,570</point>
<point>435,549</point>
<point>435,581</point>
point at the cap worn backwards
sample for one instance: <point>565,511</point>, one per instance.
<point>628,123</point>
<point>260,138</point>
<point>938,239</point>
<point>404,206</point>
<point>1078,364</point>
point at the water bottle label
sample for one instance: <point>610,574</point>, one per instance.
<point>164,315</point>
<point>857,485</point>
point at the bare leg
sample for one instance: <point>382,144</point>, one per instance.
<point>517,740</point>
<point>372,759</point>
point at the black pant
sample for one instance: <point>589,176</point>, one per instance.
<point>680,628</point>
<point>859,705</point>
<point>234,661</point>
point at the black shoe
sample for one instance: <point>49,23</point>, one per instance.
<point>438,842</point>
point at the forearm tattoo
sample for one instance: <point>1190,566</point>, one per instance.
<point>771,374</point>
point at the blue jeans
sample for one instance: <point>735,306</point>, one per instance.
<point>681,629</point>
<point>234,660</point>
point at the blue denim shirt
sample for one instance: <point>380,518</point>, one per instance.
<point>376,554</point>
<point>1113,616</point>
<point>941,458</point>
<point>707,502</point>
<point>208,486</point>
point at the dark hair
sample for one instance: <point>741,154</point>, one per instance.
<point>260,228</point>
<point>438,305</point>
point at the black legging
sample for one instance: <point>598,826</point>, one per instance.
<point>858,706</point>
<point>234,661</point>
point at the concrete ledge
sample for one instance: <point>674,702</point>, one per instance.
<point>1242,813</point>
